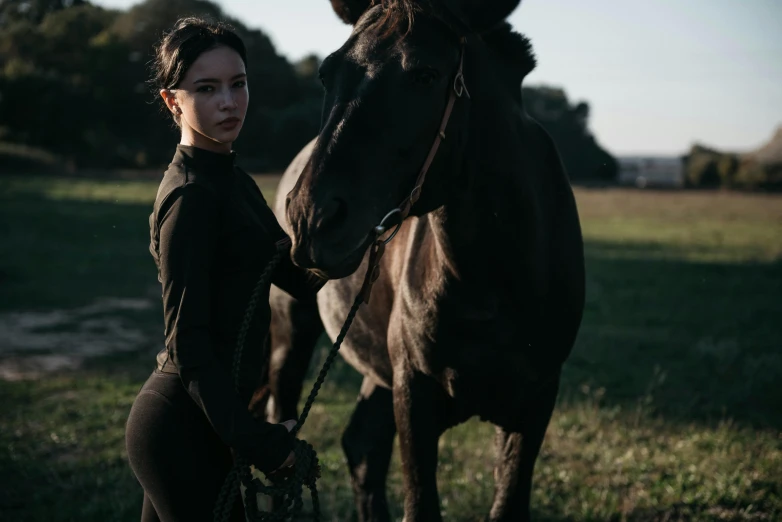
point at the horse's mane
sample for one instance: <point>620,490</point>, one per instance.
<point>512,48</point>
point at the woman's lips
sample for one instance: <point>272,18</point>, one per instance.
<point>230,123</point>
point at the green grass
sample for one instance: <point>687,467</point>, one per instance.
<point>670,406</point>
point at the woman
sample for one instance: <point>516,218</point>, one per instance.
<point>212,235</point>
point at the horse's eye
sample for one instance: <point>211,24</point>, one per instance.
<point>425,76</point>
<point>325,68</point>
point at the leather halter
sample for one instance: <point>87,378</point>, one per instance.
<point>458,90</point>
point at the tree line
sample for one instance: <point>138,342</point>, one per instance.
<point>73,83</point>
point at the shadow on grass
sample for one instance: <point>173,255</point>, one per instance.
<point>52,488</point>
<point>66,253</point>
<point>689,341</point>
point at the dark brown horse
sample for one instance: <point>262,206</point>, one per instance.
<point>481,292</point>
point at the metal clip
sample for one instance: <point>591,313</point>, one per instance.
<point>373,269</point>
<point>459,87</point>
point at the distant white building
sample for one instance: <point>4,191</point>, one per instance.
<point>649,171</point>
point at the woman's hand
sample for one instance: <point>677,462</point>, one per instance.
<point>286,470</point>
<point>291,460</point>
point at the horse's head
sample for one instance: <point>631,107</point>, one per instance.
<point>386,91</point>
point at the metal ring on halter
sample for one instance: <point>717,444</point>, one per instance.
<point>459,87</point>
<point>381,228</point>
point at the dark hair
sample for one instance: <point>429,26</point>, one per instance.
<point>184,43</point>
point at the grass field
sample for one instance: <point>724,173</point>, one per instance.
<point>670,407</point>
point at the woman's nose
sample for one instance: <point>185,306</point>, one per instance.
<point>228,100</point>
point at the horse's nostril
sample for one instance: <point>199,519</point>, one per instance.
<point>334,214</point>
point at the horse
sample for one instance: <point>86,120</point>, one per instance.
<point>481,289</point>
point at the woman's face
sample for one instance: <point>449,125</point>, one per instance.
<point>211,100</point>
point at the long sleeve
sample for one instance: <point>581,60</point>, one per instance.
<point>188,247</point>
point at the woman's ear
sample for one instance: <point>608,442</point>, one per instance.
<point>169,98</point>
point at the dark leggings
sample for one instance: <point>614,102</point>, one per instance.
<point>176,454</point>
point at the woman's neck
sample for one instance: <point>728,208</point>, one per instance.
<point>195,139</point>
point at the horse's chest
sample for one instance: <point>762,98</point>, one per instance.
<point>477,353</point>
<point>464,331</point>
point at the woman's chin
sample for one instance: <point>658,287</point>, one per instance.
<point>226,140</point>
<point>224,137</point>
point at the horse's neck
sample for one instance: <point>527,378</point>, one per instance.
<point>476,230</point>
<point>478,226</point>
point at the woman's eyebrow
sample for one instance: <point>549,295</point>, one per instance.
<point>215,80</point>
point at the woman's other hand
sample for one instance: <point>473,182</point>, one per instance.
<point>291,460</point>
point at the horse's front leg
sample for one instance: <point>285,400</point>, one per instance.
<point>295,330</point>
<point>417,399</point>
<point>516,456</point>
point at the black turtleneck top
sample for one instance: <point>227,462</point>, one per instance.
<point>212,234</point>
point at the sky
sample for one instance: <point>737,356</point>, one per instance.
<point>658,76</point>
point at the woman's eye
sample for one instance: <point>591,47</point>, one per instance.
<point>205,88</point>
<point>425,76</point>
<point>240,84</point>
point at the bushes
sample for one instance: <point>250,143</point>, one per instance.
<point>567,124</point>
<point>702,168</point>
<point>758,170</point>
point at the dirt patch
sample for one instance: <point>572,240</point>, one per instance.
<point>34,344</point>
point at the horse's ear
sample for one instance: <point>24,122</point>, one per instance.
<point>482,15</point>
<point>350,10</point>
